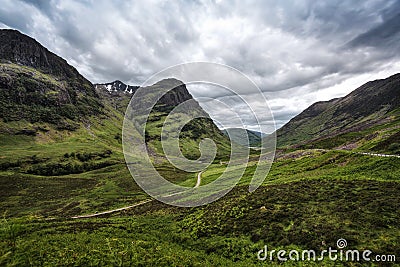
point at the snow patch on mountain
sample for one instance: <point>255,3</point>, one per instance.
<point>116,87</point>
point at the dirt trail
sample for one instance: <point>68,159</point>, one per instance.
<point>128,207</point>
<point>197,185</point>
<point>198,179</point>
<point>111,211</point>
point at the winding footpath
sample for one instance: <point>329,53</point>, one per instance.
<point>197,185</point>
<point>131,206</point>
<point>198,179</point>
<point>359,153</point>
<point>377,155</point>
<point>111,211</point>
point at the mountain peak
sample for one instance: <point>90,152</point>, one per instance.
<point>169,82</point>
<point>116,87</point>
<point>174,97</point>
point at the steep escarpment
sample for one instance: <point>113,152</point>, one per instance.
<point>38,86</point>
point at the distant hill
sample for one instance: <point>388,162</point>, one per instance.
<point>237,135</point>
<point>370,110</point>
<point>38,86</point>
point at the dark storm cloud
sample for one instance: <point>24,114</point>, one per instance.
<point>297,52</point>
<point>384,36</point>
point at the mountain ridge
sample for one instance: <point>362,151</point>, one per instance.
<point>36,85</point>
<point>24,50</point>
<point>45,98</point>
<point>372,104</point>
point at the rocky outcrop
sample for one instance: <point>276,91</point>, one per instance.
<point>38,86</point>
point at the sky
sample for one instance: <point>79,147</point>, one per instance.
<point>296,52</point>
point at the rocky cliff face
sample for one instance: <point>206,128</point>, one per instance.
<point>177,95</point>
<point>191,133</point>
<point>24,50</point>
<point>38,86</point>
<point>118,92</point>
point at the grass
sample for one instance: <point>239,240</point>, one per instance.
<point>311,198</point>
<point>116,242</point>
<point>301,215</point>
<point>64,173</point>
<point>376,138</point>
<point>190,136</point>
<point>314,164</point>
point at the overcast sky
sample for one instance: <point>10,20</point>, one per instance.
<point>297,52</point>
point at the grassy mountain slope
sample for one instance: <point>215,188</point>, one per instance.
<point>192,133</point>
<point>60,139</point>
<point>371,111</point>
<point>60,136</point>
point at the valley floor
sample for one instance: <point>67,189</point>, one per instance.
<point>310,199</point>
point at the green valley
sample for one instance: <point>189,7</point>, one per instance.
<point>61,157</point>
